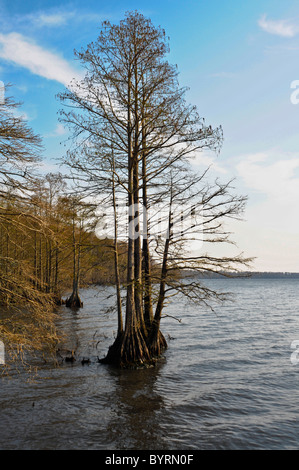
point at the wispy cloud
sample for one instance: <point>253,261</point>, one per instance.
<point>272,225</point>
<point>23,52</point>
<point>276,179</point>
<point>60,17</point>
<point>281,48</point>
<point>52,20</point>
<point>278,182</point>
<point>58,131</point>
<point>204,160</point>
<point>282,28</point>
<point>223,75</point>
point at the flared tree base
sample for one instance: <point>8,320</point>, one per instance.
<point>74,301</point>
<point>131,351</point>
<point>156,343</point>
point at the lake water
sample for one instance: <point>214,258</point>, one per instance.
<point>225,382</point>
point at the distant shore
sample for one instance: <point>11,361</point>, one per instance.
<point>247,274</point>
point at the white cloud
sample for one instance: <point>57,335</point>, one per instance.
<point>222,75</point>
<point>58,131</point>
<point>22,88</point>
<point>22,51</point>
<point>21,114</point>
<point>48,167</point>
<point>271,230</point>
<point>277,181</point>
<point>205,160</point>
<point>60,17</point>
<point>278,27</point>
<point>52,20</point>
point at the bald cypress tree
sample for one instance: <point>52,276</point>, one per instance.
<point>130,100</point>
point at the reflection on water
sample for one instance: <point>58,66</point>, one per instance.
<point>226,381</point>
<point>136,411</point>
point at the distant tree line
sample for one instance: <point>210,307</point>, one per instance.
<point>48,246</point>
<point>244,274</point>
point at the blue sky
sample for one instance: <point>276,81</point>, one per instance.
<point>238,58</point>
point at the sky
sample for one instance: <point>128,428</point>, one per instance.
<point>239,60</point>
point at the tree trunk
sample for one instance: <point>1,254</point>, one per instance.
<point>147,283</point>
<point>137,252</point>
<point>130,349</point>
<point>156,341</point>
<point>116,267</point>
<point>74,300</point>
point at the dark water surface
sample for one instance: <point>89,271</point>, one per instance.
<point>225,382</point>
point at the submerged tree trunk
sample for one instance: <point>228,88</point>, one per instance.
<point>74,300</point>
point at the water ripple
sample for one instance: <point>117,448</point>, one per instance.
<point>226,381</point>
